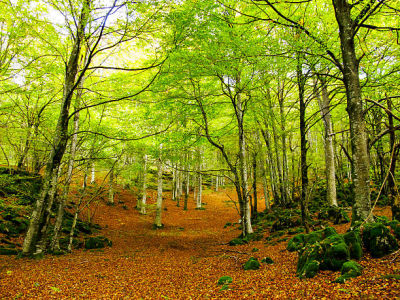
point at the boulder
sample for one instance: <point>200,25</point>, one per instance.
<point>251,264</point>
<point>378,240</point>
<point>97,242</point>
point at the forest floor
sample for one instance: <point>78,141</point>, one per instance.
<point>184,260</point>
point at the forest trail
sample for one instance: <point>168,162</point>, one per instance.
<point>183,260</point>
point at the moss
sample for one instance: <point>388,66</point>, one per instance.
<point>295,230</point>
<point>267,260</point>
<point>296,243</point>
<point>378,240</point>
<point>224,280</point>
<point>308,255</point>
<point>353,241</point>
<point>97,242</point>
<point>336,252</point>
<point>311,269</point>
<point>312,237</point>
<point>251,264</point>
<point>8,251</point>
<point>329,231</point>
<point>395,225</point>
<point>350,269</point>
<point>237,241</point>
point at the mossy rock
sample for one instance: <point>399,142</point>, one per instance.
<point>395,225</point>
<point>251,264</point>
<point>237,241</point>
<point>309,256</point>
<point>224,280</point>
<point>335,214</point>
<point>313,237</point>
<point>97,242</point>
<point>8,251</point>
<point>267,260</point>
<point>353,241</point>
<point>378,240</point>
<point>64,241</point>
<point>336,252</point>
<point>296,243</point>
<point>350,269</point>
<point>295,230</point>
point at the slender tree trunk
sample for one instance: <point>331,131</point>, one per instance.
<point>285,168</point>
<point>144,187</point>
<point>111,187</point>
<point>358,133</point>
<point>301,81</point>
<point>255,200</point>
<point>93,174</point>
<point>324,106</point>
<point>157,222</point>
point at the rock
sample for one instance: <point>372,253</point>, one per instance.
<point>267,260</point>
<point>252,264</point>
<point>350,269</point>
<point>378,240</point>
<point>395,225</point>
<point>224,280</point>
<point>296,243</point>
<point>237,241</point>
<point>336,252</point>
<point>306,265</point>
<point>353,241</point>
<point>335,214</point>
<point>97,242</point>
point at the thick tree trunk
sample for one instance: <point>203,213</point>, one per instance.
<point>394,196</point>
<point>358,133</point>
<point>24,154</point>
<point>63,199</point>
<point>59,142</point>
<point>324,106</point>
<point>246,211</point>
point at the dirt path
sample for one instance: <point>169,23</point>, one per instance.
<point>181,261</point>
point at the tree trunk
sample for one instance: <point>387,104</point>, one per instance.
<point>358,133</point>
<point>59,141</point>
<point>157,222</point>
<point>255,200</point>
<point>63,199</point>
<point>144,187</point>
<point>93,174</point>
<point>394,196</point>
<point>246,211</point>
<point>301,81</point>
<point>324,106</point>
<point>111,187</point>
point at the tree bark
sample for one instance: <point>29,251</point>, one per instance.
<point>144,187</point>
<point>157,221</point>
<point>301,81</point>
<point>59,142</point>
<point>358,133</point>
<point>324,106</point>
